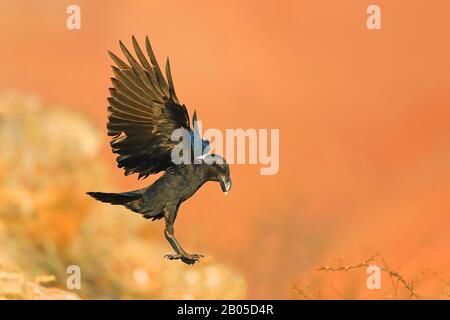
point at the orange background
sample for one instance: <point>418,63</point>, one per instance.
<point>363,117</point>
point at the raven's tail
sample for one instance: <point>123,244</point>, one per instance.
<point>116,198</point>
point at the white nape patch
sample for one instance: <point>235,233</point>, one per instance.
<point>203,156</point>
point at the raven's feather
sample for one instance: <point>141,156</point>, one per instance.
<point>143,113</point>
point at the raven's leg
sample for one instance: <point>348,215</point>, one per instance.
<point>180,253</point>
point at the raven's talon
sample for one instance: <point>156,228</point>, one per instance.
<point>185,257</point>
<point>191,258</point>
<point>173,256</point>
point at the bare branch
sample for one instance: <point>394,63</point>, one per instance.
<point>394,275</point>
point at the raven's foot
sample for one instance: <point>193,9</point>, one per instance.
<point>185,257</point>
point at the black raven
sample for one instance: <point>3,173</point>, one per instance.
<point>144,111</point>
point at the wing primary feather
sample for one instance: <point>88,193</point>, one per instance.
<point>137,68</point>
<point>121,115</point>
<point>170,81</point>
<point>118,61</point>
<point>127,92</point>
<point>140,54</point>
<point>127,101</point>
<point>195,124</point>
<point>128,78</point>
<point>148,68</point>
<point>159,75</point>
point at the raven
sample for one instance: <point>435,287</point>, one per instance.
<point>143,113</point>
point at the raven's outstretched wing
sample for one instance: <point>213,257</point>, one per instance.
<point>143,112</point>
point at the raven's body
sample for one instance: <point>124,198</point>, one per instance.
<point>144,111</point>
<point>164,196</point>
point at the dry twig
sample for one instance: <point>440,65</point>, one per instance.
<point>394,275</point>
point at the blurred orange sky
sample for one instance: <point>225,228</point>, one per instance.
<point>364,119</point>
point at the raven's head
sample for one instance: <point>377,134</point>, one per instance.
<point>219,171</point>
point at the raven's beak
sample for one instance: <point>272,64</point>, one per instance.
<point>225,184</point>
